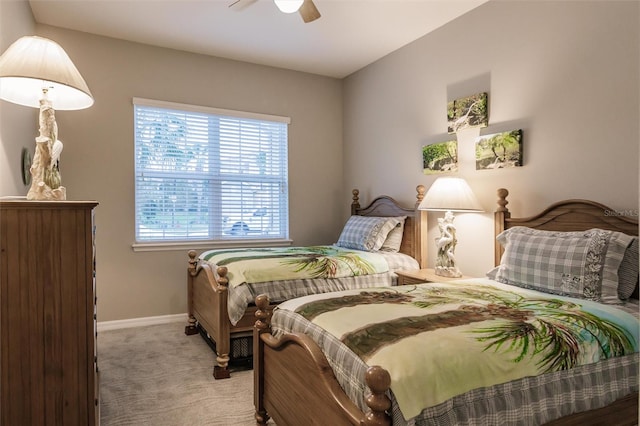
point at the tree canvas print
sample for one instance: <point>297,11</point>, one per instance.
<point>499,150</point>
<point>471,111</point>
<point>440,157</point>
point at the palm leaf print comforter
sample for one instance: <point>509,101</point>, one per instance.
<point>273,264</point>
<point>442,340</point>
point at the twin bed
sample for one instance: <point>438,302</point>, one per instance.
<point>221,290</point>
<point>525,348</point>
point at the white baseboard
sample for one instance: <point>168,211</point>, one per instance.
<point>141,322</point>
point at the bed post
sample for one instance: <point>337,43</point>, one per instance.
<point>190,328</point>
<point>379,381</point>
<point>223,335</point>
<point>355,204</point>
<point>501,214</point>
<point>420,229</point>
<point>261,326</point>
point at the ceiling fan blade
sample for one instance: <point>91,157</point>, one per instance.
<point>239,5</point>
<point>309,11</point>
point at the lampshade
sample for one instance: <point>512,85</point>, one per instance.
<point>288,6</point>
<point>450,194</point>
<point>32,63</point>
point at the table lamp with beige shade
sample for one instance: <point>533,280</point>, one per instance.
<point>449,194</point>
<point>37,72</point>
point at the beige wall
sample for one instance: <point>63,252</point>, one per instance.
<point>18,124</point>
<point>97,162</point>
<point>566,73</point>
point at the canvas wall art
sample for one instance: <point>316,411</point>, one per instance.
<point>499,150</point>
<point>471,111</point>
<point>440,157</point>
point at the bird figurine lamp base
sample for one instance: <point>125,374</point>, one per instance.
<point>45,171</point>
<point>446,245</point>
<point>448,271</point>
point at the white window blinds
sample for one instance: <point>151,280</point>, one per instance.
<point>208,174</point>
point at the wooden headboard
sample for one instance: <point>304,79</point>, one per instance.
<point>416,222</point>
<point>568,215</point>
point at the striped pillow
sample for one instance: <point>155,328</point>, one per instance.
<point>580,264</point>
<point>366,233</point>
<point>628,271</point>
<point>394,238</point>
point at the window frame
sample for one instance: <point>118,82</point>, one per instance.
<point>165,245</point>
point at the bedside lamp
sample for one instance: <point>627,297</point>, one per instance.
<point>38,73</point>
<point>449,194</point>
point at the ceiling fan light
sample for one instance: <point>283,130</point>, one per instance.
<point>288,6</point>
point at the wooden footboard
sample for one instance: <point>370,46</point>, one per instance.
<point>295,385</point>
<point>207,292</point>
<point>623,412</point>
<point>207,306</point>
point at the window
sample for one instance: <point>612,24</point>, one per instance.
<point>208,174</point>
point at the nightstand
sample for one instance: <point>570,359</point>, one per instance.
<point>417,276</point>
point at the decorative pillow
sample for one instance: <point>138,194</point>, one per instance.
<point>580,264</point>
<point>394,238</point>
<point>366,233</point>
<point>628,271</point>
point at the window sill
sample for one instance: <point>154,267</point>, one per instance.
<point>208,245</point>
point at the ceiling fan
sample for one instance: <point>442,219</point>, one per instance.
<point>306,8</point>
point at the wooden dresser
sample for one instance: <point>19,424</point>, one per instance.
<point>48,365</point>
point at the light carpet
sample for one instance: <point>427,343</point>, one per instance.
<point>158,376</point>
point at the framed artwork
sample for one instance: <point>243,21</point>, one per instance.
<point>440,157</point>
<point>471,111</point>
<point>499,150</point>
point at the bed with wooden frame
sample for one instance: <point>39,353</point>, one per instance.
<point>295,384</point>
<point>208,285</point>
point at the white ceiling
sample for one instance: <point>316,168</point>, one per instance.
<point>350,34</point>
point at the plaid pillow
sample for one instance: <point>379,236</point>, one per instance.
<point>366,233</point>
<point>578,264</point>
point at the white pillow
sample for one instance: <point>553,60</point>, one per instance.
<point>366,233</point>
